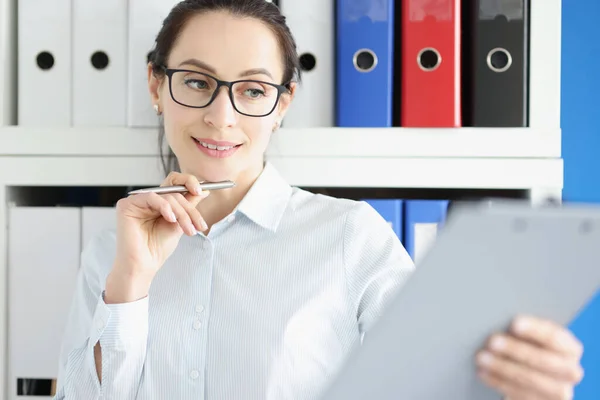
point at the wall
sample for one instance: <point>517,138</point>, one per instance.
<point>580,122</point>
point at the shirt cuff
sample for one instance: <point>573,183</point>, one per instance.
<point>116,325</point>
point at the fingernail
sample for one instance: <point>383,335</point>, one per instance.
<point>484,358</point>
<point>172,217</point>
<point>204,225</point>
<point>564,340</point>
<point>198,189</point>
<point>498,343</point>
<point>522,325</point>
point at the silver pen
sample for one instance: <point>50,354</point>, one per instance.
<point>183,189</point>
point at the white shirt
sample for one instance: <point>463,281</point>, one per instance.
<point>266,306</point>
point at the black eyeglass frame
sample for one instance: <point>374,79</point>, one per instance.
<point>229,85</point>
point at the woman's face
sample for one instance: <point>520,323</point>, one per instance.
<point>228,48</point>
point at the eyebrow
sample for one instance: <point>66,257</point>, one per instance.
<point>202,65</point>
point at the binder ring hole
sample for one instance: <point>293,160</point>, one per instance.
<point>365,60</point>
<point>429,59</point>
<point>499,59</point>
<point>308,62</point>
<point>45,60</point>
<point>100,60</point>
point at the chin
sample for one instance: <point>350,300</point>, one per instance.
<point>212,170</point>
<point>214,173</point>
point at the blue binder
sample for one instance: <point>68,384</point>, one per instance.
<point>587,329</point>
<point>364,62</point>
<point>391,210</point>
<point>420,212</point>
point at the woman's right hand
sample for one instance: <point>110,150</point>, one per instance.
<point>149,227</point>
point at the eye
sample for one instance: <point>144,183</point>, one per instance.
<point>196,83</point>
<point>254,93</point>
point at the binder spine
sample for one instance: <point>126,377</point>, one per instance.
<point>431,64</point>
<point>365,50</point>
<point>312,24</point>
<point>498,67</point>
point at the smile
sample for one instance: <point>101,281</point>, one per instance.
<point>217,150</point>
<point>215,147</point>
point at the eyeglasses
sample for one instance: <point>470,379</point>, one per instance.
<point>198,90</point>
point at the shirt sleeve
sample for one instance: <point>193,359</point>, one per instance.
<point>377,264</point>
<point>121,329</point>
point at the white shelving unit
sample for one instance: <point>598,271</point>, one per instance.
<point>463,158</point>
<point>314,142</point>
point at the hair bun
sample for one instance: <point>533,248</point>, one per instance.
<point>151,56</point>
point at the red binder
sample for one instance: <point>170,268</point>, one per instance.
<point>430,63</point>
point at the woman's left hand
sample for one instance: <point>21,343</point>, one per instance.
<point>536,359</point>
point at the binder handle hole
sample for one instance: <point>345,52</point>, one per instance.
<point>308,62</point>
<point>429,59</point>
<point>100,60</point>
<point>499,59</point>
<point>45,60</point>
<point>365,60</point>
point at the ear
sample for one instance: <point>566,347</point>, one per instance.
<point>286,100</point>
<point>154,86</point>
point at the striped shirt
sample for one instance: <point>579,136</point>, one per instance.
<point>266,306</point>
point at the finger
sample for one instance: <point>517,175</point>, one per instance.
<point>190,208</point>
<point>522,378</point>
<point>536,357</point>
<point>547,334</point>
<point>181,214</point>
<point>149,201</point>
<point>503,386</point>
<point>189,181</point>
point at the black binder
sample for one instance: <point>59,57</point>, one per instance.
<point>496,63</point>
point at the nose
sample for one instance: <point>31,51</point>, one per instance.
<point>221,114</point>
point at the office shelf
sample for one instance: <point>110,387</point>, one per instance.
<point>462,158</point>
<point>364,172</point>
<point>312,142</point>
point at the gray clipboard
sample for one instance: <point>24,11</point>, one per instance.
<point>487,265</point>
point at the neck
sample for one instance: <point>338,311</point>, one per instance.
<point>221,203</point>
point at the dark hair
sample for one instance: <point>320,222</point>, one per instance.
<point>262,10</point>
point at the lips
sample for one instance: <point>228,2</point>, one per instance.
<point>221,143</point>
<point>217,149</point>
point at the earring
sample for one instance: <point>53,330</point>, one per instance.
<point>156,109</point>
<point>276,126</point>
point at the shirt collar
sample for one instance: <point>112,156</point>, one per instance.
<point>267,199</point>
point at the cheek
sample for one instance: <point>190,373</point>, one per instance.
<point>179,121</point>
<point>259,131</point>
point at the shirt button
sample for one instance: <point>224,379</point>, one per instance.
<point>230,218</point>
<point>197,324</point>
<point>199,308</point>
<point>194,374</point>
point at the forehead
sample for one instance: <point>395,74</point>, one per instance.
<point>229,44</point>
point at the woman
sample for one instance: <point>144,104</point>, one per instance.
<point>257,291</point>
